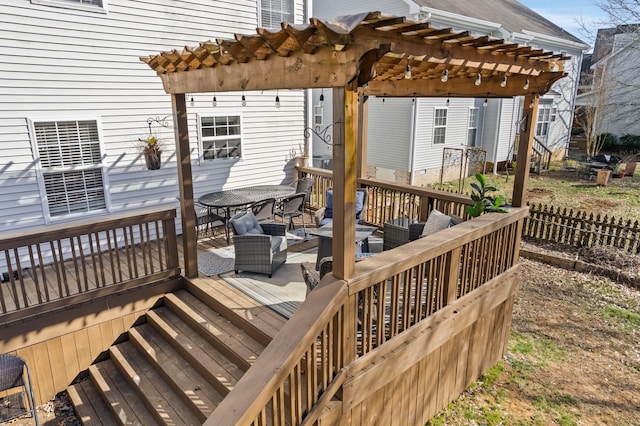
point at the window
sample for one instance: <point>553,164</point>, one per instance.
<point>440,125</point>
<point>318,115</point>
<point>472,131</point>
<point>274,12</point>
<point>221,137</point>
<point>88,5</point>
<point>544,117</point>
<point>70,159</point>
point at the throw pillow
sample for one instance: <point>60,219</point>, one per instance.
<point>246,223</point>
<point>328,211</point>
<point>437,221</point>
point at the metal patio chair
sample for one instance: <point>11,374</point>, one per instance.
<point>15,384</point>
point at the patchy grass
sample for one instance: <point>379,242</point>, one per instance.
<point>572,359</point>
<point>621,198</point>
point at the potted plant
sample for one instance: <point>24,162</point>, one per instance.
<point>482,200</point>
<point>151,150</point>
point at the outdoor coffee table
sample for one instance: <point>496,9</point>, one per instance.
<point>325,235</point>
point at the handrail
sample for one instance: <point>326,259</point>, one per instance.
<point>544,158</point>
<point>335,325</point>
<point>388,200</point>
<point>283,359</point>
<point>47,265</point>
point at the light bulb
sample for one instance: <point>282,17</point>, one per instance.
<point>478,79</point>
<point>321,103</point>
<point>244,101</point>
<point>503,83</point>
<point>447,101</point>
<point>486,101</point>
<point>445,76</point>
<point>407,72</point>
<point>531,104</point>
<point>215,101</point>
<point>526,84</point>
<point>277,101</point>
<point>192,102</point>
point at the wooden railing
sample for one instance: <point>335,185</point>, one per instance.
<point>387,200</point>
<point>391,294</point>
<point>49,265</point>
<point>540,156</point>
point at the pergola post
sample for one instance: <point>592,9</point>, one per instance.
<point>185,184</point>
<point>363,135</point>
<point>525,145</point>
<point>345,112</point>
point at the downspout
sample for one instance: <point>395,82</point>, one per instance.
<point>497,136</point>
<point>412,160</point>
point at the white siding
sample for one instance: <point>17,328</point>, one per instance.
<point>324,9</point>
<point>390,133</point>
<point>429,155</point>
<point>61,63</point>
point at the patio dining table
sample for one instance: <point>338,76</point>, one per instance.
<point>232,199</point>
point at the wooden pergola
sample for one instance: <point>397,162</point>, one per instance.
<point>368,54</point>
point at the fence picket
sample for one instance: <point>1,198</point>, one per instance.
<point>580,229</point>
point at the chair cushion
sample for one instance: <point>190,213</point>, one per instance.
<point>437,221</point>
<point>328,211</point>
<point>359,204</point>
<point>246,224</point>
<point>456,220</point>
<point>278,243</point>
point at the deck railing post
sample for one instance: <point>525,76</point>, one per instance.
<point>170,243</point>
<point>452,270</point>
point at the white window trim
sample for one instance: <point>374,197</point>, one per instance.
<point>316,115</point>
<point>437,126</point>
<point>477,110</point>
<point>40,172</point>
<point>259,14</point>
<point>72,5</point>
<point>226,113</point>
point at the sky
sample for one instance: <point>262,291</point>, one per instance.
<point>564,13</point>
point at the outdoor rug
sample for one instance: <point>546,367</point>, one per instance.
<point>284,292</point>
<point>221,260</point>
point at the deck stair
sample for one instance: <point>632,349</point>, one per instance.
<point>176,364</point>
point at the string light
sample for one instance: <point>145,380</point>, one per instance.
<point>484,104</point>
<point>277,100</point>
<point>445,76</point>
<point>448,94</point>
<point>478,79</point>
<point>407,72</point>
<point>215,101</point>
<point>244,100</point>
<point>503,83</point>
<point>531,104</point>
<point>321,103</point>
<point>192,102</point>
<point>526,84</point>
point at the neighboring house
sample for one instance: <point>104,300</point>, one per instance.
<point>612,82</point>
<point>76,98</point>
<point>410,142</point>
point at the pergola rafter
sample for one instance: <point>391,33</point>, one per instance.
<point>358,56</point>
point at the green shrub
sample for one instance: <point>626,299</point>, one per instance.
<point>609,142</point>
<point>630,142</point>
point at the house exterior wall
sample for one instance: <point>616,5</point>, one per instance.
<point>498,121</point>
<point>623,80</point>
<point>62,62</point>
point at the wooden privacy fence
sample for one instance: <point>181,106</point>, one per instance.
<point>580,229</point>
<point>444,297</point>
<point>49,265</point>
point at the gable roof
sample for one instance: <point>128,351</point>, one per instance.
<point>512,15</point>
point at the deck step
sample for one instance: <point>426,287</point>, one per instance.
<point>175,367</point>
<point>233,342</point>
<point>123,400</point>
<point>90,409</point>
<point>184,379</point>
<point>222,373</point>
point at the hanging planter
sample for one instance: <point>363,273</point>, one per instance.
<point>153,161</point>
<point>151,151</point>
